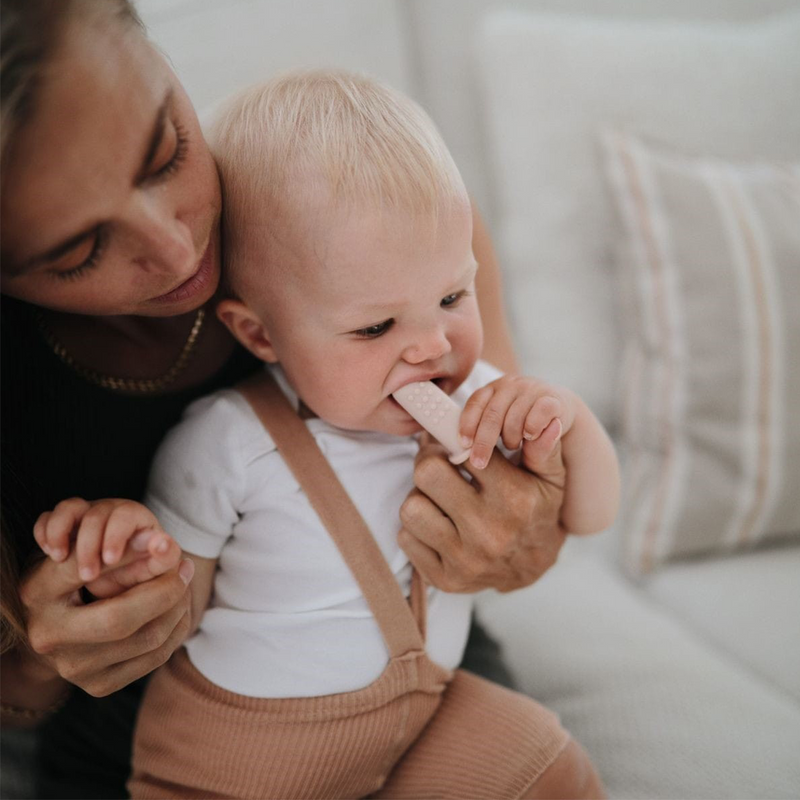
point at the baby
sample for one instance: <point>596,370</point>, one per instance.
<point>321,666</point>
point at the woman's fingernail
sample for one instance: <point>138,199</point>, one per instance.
<point>479,463</point>
<point>186,570</point>
<point>57,554</point>
<point>466,441</point>
<point>162,545</point>
<point>528,437</point>
<point>109,557</point>
<point>141,540</point>
<point>560,428</point>
<point>86,573</point>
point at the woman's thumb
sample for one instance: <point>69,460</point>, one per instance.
<point>543,456</point>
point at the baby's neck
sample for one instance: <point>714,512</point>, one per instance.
<point>305,412</point>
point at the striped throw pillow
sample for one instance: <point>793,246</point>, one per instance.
<point>710,267</point>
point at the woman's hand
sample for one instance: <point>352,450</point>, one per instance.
<point>500,531</point>
<point>107,644</point>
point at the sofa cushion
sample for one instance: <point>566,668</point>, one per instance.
<point>747,605</point>
<point>550,83</point>
<point>662,713</point>
<point>710,279</point>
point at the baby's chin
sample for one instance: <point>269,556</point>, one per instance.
<point>390,419</point>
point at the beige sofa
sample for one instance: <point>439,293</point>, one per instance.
<point>679,671</point>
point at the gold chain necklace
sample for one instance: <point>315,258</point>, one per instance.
<point>138,385</point>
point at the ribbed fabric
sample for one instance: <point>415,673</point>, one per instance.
<point>195,739</point>
<point>484,741</point>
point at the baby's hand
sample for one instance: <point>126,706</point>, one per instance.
<point>524,411</point>
<point>102,530</point>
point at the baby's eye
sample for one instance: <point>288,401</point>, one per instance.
<point>374,331</point>
<point>451,299</point>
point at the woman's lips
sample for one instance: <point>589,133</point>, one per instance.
<point>196,283</point>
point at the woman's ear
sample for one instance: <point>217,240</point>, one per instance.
<point>248,329</point>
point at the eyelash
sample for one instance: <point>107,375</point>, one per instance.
<point>179,156</point>
<point>371,332</point>
<point>170,168</point>
<point>89,262</point>
<point>375,331</point>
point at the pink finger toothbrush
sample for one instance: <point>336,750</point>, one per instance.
<point>437,412</point>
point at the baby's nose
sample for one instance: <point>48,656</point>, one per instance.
<point>434,344</point>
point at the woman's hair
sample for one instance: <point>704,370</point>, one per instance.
<point>12,619</point>
<point>355,138</point>
<point>30,32</point>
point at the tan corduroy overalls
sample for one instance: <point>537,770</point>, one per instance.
<point>418,731</point>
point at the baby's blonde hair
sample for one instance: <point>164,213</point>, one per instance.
<point>363,143</point>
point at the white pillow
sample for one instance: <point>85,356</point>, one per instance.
<point>711,266</point>
<point>551,83</point>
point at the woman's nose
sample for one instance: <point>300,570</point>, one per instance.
<point>164,241</point>
<point>427,346</point>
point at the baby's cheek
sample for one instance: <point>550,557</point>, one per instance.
<point>341,404</point>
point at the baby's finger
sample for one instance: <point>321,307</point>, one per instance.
<point>141,570</point>
<point>472,413</point>
<point>89,542</point>
<point>514,425</point>
<point>61,524</point>
<point>490,427</point>
<point>544,410</point>
<point>125,521</point>
<point>165,554</point>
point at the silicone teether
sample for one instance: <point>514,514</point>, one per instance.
<point>437,412</point>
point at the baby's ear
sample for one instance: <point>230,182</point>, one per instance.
<point>248,329</point>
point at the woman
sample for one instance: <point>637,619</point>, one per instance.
<point>111,259</point>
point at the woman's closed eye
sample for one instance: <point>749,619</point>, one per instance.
<point>175,147</point>
<point>374,331</point>
<point>166,163</point>
<point>93,249</point>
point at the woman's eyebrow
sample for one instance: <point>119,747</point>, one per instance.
<point>156,135</point>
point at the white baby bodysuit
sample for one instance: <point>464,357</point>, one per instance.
<point>286,617</point>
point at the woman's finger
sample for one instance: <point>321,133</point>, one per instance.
<point>40,533</point>
<point>439,480</point>
<point>50,583</point>
<point>421,517</point>
<point>425,559</point>
<point>543,456</point>
<point>117,618</point>
<point>122,673</point>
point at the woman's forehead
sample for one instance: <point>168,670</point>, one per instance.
<point>89,127</point>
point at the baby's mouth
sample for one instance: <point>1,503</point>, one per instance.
<point>442,383</point>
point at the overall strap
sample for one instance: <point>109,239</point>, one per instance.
<point>340,517</point>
